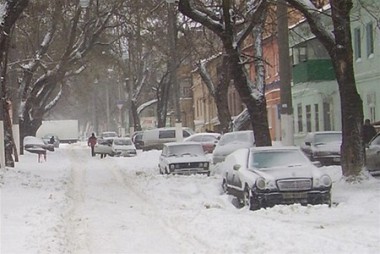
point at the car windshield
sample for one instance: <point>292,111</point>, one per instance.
<point>122,142</point>
<point>236,137</point>
<point>109,134</point>
<point>323,138</point>
<point>179,150</point>
<point>280,158</point>
<point>376,141</point>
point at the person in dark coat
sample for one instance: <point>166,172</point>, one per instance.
<point>52,140</point>
<point>368,131</point>
<point>92,142</point>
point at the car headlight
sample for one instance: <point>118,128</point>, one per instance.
<point>172,166</point>
<point>325,180</point>
<point>260,183</point>
<point>205,165</point>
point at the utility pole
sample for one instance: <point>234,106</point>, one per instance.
<point>172,34</point>
<point>287,119</point>
<point>173,59</point>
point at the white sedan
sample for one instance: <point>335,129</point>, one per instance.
<point>183,158</point>
<point>266,176</point>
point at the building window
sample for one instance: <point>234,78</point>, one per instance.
<point>357,44</point>
<point>369,35</point>
<point>371,102</point>
<point>327,116</point>
<point>299,117</point>
<point>316,117</point>
<point>308,118</point>
<point>299,54</point>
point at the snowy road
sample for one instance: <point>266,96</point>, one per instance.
<point>110,214</point>
<point>77,204</point>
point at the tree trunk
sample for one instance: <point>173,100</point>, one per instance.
<point>221,96</point>
<point>256,106</point>
<point>135,116</point>
<point>351,104</point>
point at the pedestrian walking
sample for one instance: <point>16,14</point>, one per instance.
<point>368,131</point>
<point>92,142</point>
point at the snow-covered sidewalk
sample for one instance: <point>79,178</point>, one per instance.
<point>74,203</point>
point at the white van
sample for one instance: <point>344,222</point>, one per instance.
<point>155,138</point>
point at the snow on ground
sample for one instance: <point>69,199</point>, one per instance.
<point>73,203</point>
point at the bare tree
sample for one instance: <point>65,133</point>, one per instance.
<point>45,73</point>
<point>339,46</point>
<point>12,11</point>
<point>232,31</point>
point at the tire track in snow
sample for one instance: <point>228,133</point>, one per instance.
<point>189,243</point>
<point>76,224</point>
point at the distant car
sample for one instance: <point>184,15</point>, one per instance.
<point>266,176</point>
<point>137,139</point>
<point>108,135</point>
<point>183,158</point>
<point>48,138</point>
<point>104,147</point>
<point>230,142</point>
<point>373,156</point>
<point>36,145</point>
<point>156,138</point>
<point>323,146</point>
<point>123,147</point>
<point>207,139</point>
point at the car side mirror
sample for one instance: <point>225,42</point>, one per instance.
<point>237,167</point>
<point>308,143</point>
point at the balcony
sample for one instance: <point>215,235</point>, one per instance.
<point>313,70</point>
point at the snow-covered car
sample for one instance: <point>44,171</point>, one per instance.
<point>108,135</point>
<point>262,177</point>
<point>323,146</point>
<point>207,139</point>
<point>36,145</point>
<point>104,147</point>
<point>373,156</point>
<point>230,142</point>
<point>123,147</point>
<point>183,158</point>
<point>48,140</point>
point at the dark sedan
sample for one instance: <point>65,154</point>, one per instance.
<point>267,176</point>
<point>373,156</point>
<point>323,146</point>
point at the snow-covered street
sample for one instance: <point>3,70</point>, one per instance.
<point>74,203</point>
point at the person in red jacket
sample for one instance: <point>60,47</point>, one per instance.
<point>92,142</point>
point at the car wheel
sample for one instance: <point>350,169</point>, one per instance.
<point>250,201</point>
<point>246,200</point>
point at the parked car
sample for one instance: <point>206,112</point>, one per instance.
<point>48,138</point>
<point>104,147</point>
<point>137,139</point>
<point>123,147</point>
<point>155,138</point>
<point>108,135</point>
<point>230,142</point>
<point>36,145</point>
<point>373,156</point>
<point>183,158</point>
<point>262,177</point>
<point>323,146</point>
<point>207,139</point>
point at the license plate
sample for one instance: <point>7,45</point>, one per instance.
<point>294,195</point>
